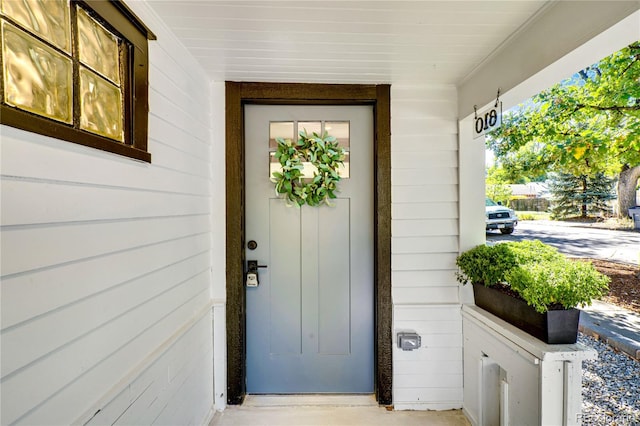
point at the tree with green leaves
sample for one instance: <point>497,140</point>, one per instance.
<point>580,195</point>
<point>497,185</point>
<point>585,125</point>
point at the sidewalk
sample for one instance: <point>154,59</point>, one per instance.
<point>618,327</point>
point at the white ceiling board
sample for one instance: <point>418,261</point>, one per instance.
<point>343,41</point>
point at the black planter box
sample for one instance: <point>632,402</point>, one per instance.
<point>554,327</point>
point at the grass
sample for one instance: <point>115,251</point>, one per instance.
<point>595,222</point>
<point>530,215</point>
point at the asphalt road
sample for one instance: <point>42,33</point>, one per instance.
<point>578,241</point>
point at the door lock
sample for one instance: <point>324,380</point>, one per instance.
<point>252,273</point>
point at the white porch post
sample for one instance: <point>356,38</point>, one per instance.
<point>471,192</point>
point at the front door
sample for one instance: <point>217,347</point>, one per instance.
<point>310,320</point>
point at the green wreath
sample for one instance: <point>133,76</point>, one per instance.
<point>324,153</point>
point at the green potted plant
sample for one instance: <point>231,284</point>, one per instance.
<point>532,286</point>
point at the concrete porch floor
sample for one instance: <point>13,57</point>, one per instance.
<point>305,410</point>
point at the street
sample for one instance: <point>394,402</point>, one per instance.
<point>578,241</point>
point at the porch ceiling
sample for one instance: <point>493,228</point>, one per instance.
<point>344,41</point>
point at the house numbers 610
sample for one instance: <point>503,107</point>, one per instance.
<point>487,120</point>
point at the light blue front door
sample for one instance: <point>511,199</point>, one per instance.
<point>310,319</point>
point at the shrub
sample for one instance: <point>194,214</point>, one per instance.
<point>532,251</point>
<point>486,265</point>
<point>539,273</point>
<point>526,216</point>
<point>490,265</point>
<point>548,285</point>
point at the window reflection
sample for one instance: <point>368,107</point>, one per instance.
<point>310,126</point>
<point>279,129</point>
<point>340,130</point>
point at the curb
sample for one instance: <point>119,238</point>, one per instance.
<point>616,341</point>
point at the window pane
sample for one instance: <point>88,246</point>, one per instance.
<point>343,171</point>
<point>47,18</point>
<point>274,164</point>
<point>98,47</point>
<point>36,77</point>
<point>100,106</point>
<point>310,126</point>
<point>279,129</point>
<point>339,130</point>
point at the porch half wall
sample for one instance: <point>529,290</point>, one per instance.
<point>424,178</point>
<point>106,265</point>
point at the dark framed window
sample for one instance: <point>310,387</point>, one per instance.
<point>78,71</point>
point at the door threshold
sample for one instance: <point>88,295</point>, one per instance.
<point>311,400</point>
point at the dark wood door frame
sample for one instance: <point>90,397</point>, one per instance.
<point>237,95</point>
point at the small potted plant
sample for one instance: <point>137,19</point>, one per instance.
<point>532,286</point>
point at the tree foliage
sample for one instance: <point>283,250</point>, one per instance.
<point>497,185</point>
<point>581,195</point>
<point>585,125</point>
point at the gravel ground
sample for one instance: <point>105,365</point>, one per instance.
<point>610,387</point>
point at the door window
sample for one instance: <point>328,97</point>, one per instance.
<point>290,130</point>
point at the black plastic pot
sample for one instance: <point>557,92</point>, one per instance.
<point>554,327</point>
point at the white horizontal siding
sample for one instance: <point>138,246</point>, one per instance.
<point>90,277</point>
<point>59,161</point>
<point>415,143</point>
<point>166,379</point>
<point>431,376</point>
<point>436,244</point>
<point>425,243</point>
<point>46,332</point>
<point>106,265</point>
<point>427,162</point>
<point>424,227</point>
<point>55,202</point>
<point>419,171</point>
<point>432,210</point>
<point>424,193</point>
<point>423,261</point>
<point>422,278</point>
<point>177,138</point>
<point>27,248</point>
<point>424,294</point>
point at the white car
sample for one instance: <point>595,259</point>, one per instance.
<point>500,217</point>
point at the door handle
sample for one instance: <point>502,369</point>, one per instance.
<point>252,273</point>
